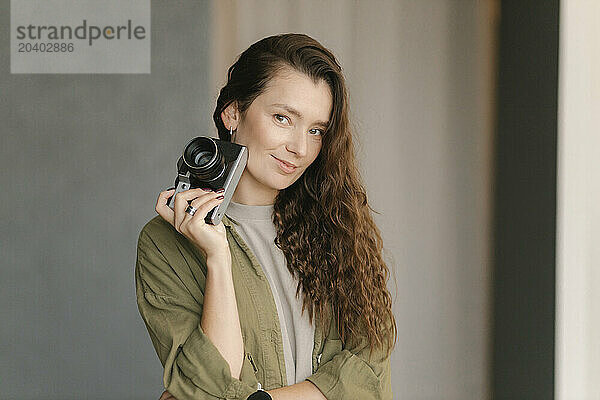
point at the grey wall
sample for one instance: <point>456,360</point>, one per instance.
<point>105,145</point>
<point>83,158</point>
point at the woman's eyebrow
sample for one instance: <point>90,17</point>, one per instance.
<point>298,114</point>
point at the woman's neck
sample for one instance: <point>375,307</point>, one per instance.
<point>253,193</point>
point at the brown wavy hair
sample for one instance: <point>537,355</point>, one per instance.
<point>323,220</point>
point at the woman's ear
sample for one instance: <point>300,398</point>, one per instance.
<point>231,116</point>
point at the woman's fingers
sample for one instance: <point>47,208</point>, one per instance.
<point>203,201</point>
<point>161,205</point>
<point>199,202</point>
<point>203,205</point>
<point>181,203</point>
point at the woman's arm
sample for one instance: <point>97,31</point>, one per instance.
<point>350,370</point>
<point>171,301</point>
<point>220,320</point>
<point>302,390</point>
<point>353,372</point>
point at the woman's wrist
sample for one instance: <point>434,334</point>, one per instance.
<point>219,261</point>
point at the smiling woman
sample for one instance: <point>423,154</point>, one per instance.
<point>289,292</point>
<point>282,130</point>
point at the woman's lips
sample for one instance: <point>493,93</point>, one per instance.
<point>285,167</point>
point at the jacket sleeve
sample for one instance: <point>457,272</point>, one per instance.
<point>193,366</point>
<point>349,373</point>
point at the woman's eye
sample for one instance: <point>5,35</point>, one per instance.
<point>316,132</point>
<point>281,118</point>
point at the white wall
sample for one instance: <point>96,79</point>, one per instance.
<point>419,76</point>
<point>578,211</point>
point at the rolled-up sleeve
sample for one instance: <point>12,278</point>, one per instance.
<point>193,367</point>
<point>350,374</point>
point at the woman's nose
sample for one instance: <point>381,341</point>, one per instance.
<point>297,143</point>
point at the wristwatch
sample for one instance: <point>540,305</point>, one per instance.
<point>260,395</point>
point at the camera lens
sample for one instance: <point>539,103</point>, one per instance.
<point>203,158</point>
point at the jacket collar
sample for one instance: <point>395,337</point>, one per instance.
<point>226,221</point>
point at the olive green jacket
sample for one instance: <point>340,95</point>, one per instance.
<point>170,278</point>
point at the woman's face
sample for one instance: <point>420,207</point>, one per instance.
<point>282,130</point>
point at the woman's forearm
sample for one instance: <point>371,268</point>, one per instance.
<point>302,390</point>
<point>220,320</point>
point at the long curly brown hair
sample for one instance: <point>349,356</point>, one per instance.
<point>323,220</point>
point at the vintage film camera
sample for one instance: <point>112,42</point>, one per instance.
<point>210,163</point>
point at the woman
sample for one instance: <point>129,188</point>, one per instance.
<point>286,298</point>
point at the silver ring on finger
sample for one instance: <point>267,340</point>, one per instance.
<point>191,210</point>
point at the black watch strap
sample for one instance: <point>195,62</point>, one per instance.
<point>260,395</point>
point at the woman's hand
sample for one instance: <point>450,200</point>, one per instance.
<point>167,396</point>
<point>211,239</point>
